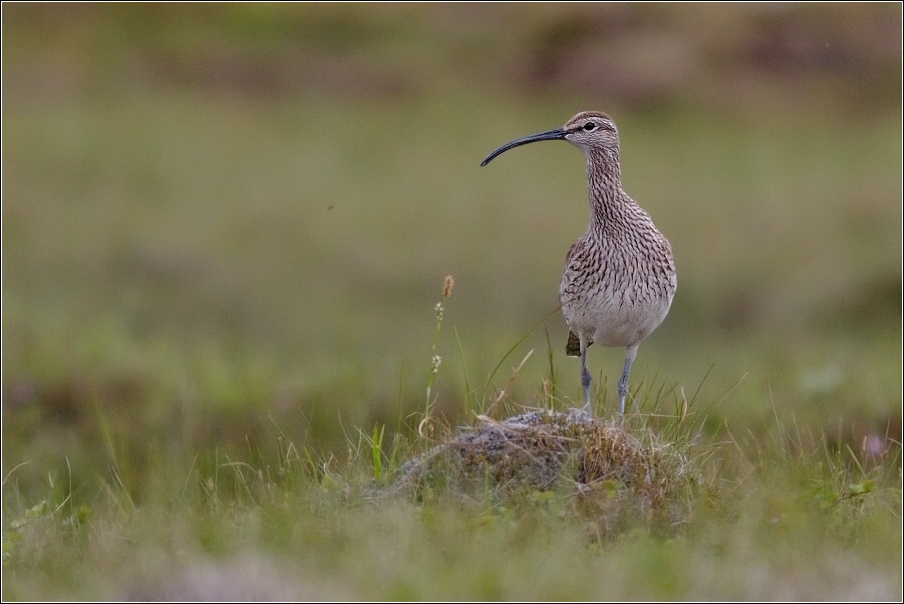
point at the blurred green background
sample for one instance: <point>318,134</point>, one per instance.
<point>222,221</point>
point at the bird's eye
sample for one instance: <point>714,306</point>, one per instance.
<point>589,126</point>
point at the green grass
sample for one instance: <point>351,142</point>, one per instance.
<point>220,278</point>
<point>788,517</point>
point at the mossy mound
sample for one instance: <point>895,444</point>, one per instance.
<point>614,469</point>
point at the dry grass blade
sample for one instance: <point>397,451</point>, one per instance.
<point>508,384</point>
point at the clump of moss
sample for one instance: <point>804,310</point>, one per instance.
<point>616,471</point>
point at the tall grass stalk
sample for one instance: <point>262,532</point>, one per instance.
<point>376,447</point>
<point>435,359</point>
<point>542,321</point>
<point>470,402</point>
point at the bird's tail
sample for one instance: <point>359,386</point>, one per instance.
<point>573,347</point>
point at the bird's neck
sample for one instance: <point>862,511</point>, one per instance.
<point>604,187</point>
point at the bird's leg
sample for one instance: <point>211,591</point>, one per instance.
<point>630,353</point>
<point>585,377</point>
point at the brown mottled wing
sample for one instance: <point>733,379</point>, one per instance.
<point>573,348</point>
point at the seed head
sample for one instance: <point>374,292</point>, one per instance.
<point>448,284</point>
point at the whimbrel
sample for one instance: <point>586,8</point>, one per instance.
<point>619,277</point>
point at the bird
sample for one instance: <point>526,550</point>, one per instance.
<point>619,278</point>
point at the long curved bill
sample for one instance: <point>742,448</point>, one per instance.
<point>551,135</point>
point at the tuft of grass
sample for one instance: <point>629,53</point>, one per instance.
<point>646,469</point>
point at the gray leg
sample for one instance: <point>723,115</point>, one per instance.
<point>585,378</point>
<point>630,353</point>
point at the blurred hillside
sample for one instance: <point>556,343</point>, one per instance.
<point>217,218</point>
<point>639,56</point>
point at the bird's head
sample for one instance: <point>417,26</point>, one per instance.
<point>589,131</point>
